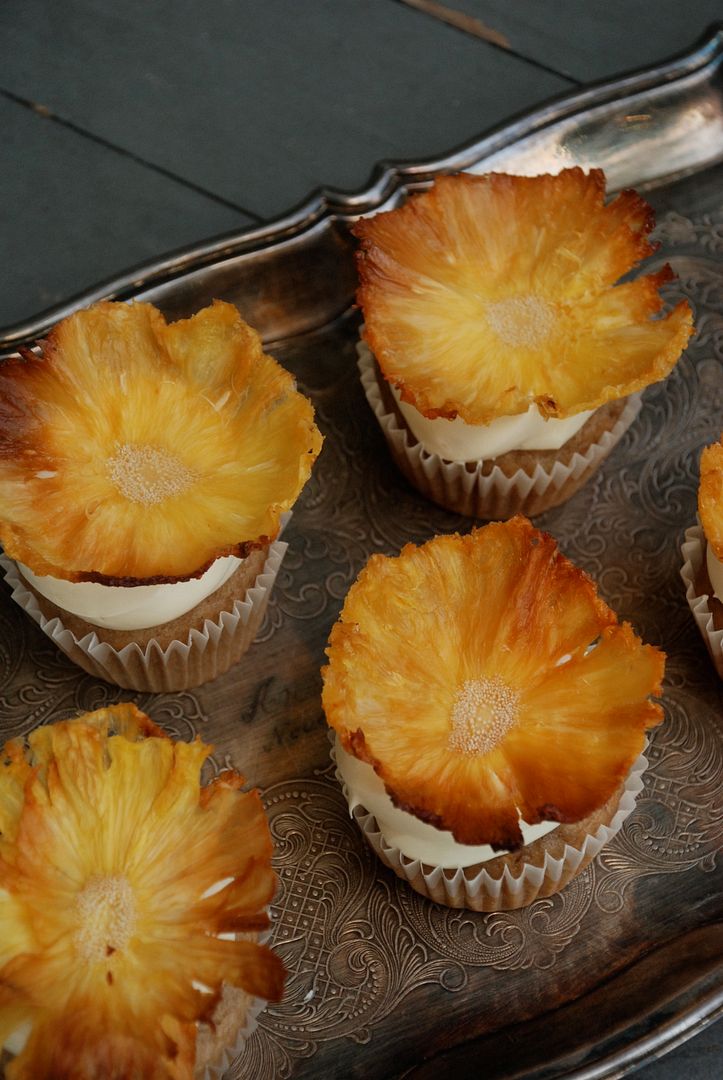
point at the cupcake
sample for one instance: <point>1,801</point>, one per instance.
<point>131,902</point>
<point>490,715</point>
<point>144,471</point>
<point>501,359</point>
<point>702,569</point>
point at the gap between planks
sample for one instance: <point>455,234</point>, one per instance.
<point>47,114</point>
<point>460,20</point>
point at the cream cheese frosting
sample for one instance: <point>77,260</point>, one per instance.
<point>715,572</point>
<point>16,1040</point>
<point>414,838</point>
<point>455,440</point>
<point>118,607</point>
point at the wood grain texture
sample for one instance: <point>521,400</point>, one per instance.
<point>460,20</point>
<point>699,1059</point>
<point>593,39</point>
<point>73,212</point>
<point>257,102</point>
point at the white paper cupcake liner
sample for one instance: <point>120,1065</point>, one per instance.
<point>235,1019</point>
<point>474,887</point>
<point>466,490</point>
<point>247,1010</point>
<point>693,550</point>
<point>180,665</point>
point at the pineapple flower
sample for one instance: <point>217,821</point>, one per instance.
<point>109,848</point>
<point>136,452</point>
<point>487,294</point>
<point>463,672</point>
<point>710,496</point>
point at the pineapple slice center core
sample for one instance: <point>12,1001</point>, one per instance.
<point>106,909</point>
<point>483,712</point>
<point>148,474</point>
<point>521,320</point>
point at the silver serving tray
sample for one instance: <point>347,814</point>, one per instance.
<point>625,962</point>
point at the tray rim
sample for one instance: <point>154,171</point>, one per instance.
<point>324,205</point>
<point>318,211</point>
<point>667,1029</point>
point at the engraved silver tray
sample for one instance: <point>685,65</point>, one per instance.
<point>625,962</point>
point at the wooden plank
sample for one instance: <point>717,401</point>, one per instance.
<point>699,1059</point>
<point>459,19</point>
<point>73,212</point>
<point>262,102</point>
<point>587,39</point>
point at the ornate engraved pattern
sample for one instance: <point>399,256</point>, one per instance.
<point>506,940</point>
<point>357,942</point>
<point>336,930</point>
<point>678,823</point>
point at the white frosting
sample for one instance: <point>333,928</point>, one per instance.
<point>456,440</point>
<point>119,607</point>
<point>715,572</point>
<point>413,837</point>
<point>16,1040</point>
<point>216,888</point>
<point>229,936</point>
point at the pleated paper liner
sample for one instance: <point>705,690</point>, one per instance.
<point>707,610</point>
<point>526,482</point>
<point>226,624</point>
<point>511,881</point>
<point>235,1019</point>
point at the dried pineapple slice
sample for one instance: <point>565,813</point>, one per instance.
<point>488,293</point>
<point>710,496</point>
<point>462,672</point>
<point>136,450</point>
<point>108,846</point>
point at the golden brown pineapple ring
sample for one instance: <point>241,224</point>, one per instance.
<point>710,496</point>
<point>463,672</point>
<point>133,451</point>
<point>109,854</point>
<point>486,294</point>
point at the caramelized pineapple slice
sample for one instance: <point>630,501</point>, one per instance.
<point>108,850</point>
<point>485,680</point>
<point>132,449</point>
<point>488,293</point>
<point>710,496</point>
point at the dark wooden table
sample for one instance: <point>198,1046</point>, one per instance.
<point>132,129</point>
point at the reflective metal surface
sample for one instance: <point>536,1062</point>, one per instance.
<point>626,961</point>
